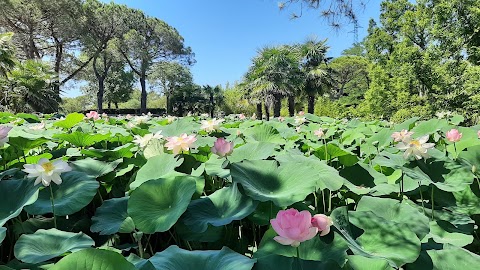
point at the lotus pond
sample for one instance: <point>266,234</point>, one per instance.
<point>306,192</point>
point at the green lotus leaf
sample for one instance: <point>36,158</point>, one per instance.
<point>218,209</point>
<point>112,217</point>
<point>174,258</point>
<point>156,205</point>
<point>18,194</point>
<point>98,259</point>
<point>44,245</point>
<point>76,191</point>
<point>155,168</point>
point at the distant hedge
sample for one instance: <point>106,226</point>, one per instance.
<point>158,111</point>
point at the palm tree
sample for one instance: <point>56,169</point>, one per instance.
<point>214,94</point>
<point>7,54</point>
<point>273,76</point>
<point>314,64</point>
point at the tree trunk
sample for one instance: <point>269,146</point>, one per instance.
<point>101,89</point>
<point>311,103</point>
<point>267,111</point>
<point>169,104</point>
<point>212,105</point>
<point>109,105</point>
<point>291,105</point>
<point>277,106</point>
<point>116,105</point>
<point>143,98</point>
<point>259,110</point>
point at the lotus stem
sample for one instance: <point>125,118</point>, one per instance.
<point>53,206</point>
<point>433,216</point>
<point>421,197</point>
<point>298,258</point>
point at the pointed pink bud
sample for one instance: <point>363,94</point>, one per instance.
<point>323,223</point>
<point>453,135</point>
<point>222,148</point>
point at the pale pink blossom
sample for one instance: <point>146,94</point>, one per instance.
<point>128,117</point>
<point>323,223</point>
<point>242,116</point>
<point>4,134</point>
<point>301,113</point>
<point>300,120</point>
<point>319,133</point>
<point>293,227</point>
<point>403,135</point>
<point>182,143</point>
<point>281,119</point>
<point>454,135</point>
<point>93,115</point>
<point>46,171</point>
<point>211,125</point>
<point>143,141</point>
<point>418,147</point>
<point>222,147</point>
<point>478,134</point>
<point>40,126</point>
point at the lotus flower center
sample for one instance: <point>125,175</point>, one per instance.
<point>48,166</point>
<point>415,143</point>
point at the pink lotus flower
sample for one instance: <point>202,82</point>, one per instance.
<point>93,115</point>
<point>281,119</point>
<point>453,135</point>
<point>222,148</point>
<point>323,223</point>
<point>4,134</point>
<point>293,227</point>
<point>301,113</point>
<point>403,135</point>
<point>242,116</point>
<point>319,133</point>
<point>182,143</point>
<point>478,134</point>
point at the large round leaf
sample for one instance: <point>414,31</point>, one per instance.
<point>44,245</point>
<point>98,259</point>
<point>252,151</point>
<point>156,205</point>
<point>112,217</point>
<point>76,191</point>
<point>94,168</point>
<point>82,139</point>
<point>70,121</point>
<point>357,262</point>
<point>381,238</point>
<point>277,262</point>
<point>316,249</point>
<point>264,133</point>
<point>155,168</point>
<point>264,180</point>
<point>220,208</point>
<point>174,258</point>
<point>16,194</point>
<point>398,212</point>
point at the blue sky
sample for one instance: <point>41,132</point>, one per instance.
<point>226,34</point>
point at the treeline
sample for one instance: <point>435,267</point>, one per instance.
<point>109,46</point>
<point>419,59</point>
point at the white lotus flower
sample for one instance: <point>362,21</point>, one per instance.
<point>143,141</point>
<point>300,120</point>
<point>211,125</point>
<point>40,126</point>
<point>418,148</point>
<point>170,119</point>
<point>141,119</point>
<point>47,171</point>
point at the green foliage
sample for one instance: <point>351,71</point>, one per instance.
<point>388,211</point>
